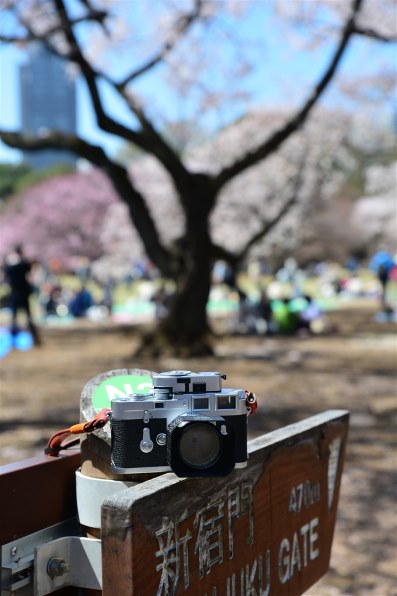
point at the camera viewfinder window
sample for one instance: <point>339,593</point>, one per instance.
<point>226,402</point>
<point>199,387</point>
<point>200,403</point>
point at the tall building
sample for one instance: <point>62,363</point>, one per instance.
<point>48,102</point>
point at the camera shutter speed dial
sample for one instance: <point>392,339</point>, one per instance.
<point>146,445</point>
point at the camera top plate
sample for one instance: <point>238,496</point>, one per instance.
<point>186,381</point>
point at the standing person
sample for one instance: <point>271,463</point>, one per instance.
<point>17,270</point>
<point>382,264</point>
<point>383,277</point>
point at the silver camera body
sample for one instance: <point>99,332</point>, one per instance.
<point>188,424</point>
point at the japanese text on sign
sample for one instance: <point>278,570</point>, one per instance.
<point>215,522</point>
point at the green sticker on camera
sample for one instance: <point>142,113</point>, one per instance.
<point>119,386</point>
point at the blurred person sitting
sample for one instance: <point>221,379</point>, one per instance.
<point>52,301</point>
<point>81,302</point>
<point>161,299</point>
<point>309,317</point>
<point>107,295</point>
<point>286,318</point>
<point>265,323</point>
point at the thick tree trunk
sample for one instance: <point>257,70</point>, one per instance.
<point>186,331</point>
<point>187,322</point>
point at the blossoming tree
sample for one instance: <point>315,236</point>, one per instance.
<point>188,48</point>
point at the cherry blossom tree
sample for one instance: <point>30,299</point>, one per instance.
<point>59,219</point>
<point>203,58</point>
<point>375,213</point>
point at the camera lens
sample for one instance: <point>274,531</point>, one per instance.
<point>199,445</point>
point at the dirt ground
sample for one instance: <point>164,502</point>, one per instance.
<point>293,378</point>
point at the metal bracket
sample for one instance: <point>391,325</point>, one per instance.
<point>17,557</point>
<point>52,558</point>
<point>68,561</point>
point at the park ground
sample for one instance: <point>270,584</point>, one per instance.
<point>354,368</point>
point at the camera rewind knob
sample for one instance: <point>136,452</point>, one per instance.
<point>146,444</point>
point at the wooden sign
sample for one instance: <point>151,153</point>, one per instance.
<point>265,529</point>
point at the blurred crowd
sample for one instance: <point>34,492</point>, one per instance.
<point>301,315</point>
<point>267,303</point>
<point>282,304</point>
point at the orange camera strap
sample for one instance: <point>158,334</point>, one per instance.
<point>55,444</point>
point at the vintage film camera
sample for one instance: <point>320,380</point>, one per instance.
<point>188,425</point>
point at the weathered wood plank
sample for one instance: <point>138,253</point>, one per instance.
<point>266,529</point>
<point>37,493</point>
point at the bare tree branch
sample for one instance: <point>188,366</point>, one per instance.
<point>373,34</point>
<point>15,38</point>
<point>148,140</point>
<point>267,226</point>
<point>182,25</point>
<point>135,202</point>
<point>274,142</point>
<point>233,258</point>
<point>56,140</point>
<point>94,15</point>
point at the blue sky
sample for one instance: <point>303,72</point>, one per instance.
<point>283,79</point>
